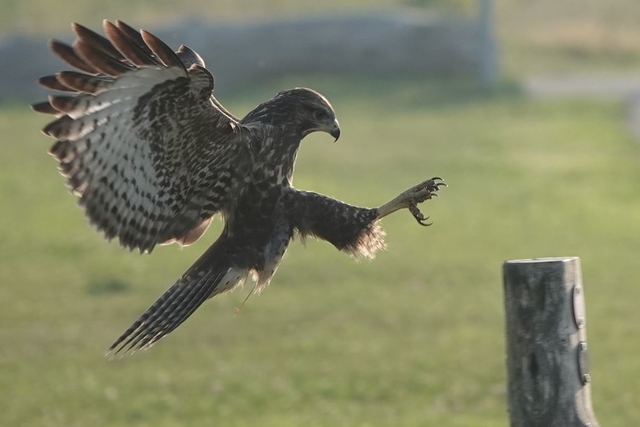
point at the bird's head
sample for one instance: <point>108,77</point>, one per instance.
<point>312,110</point>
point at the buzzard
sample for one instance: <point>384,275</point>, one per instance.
<point>153,157</point>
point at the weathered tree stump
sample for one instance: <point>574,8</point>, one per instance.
<point>547,359</point>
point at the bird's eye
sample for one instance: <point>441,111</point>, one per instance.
<point>320,115</point>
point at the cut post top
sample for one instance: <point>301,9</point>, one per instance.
<point>543,260</point>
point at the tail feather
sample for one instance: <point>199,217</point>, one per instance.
<point>141,320</point>
<point>156,323</point>
<point>176,317</point>
<point>212,274</point>
<point>179,311</point>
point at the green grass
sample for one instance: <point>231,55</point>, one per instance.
<point>414,338</point>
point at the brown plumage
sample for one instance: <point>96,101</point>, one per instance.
<point>153,156</point>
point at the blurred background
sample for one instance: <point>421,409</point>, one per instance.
<point>527,109</point>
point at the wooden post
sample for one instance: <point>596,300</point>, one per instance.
<point>547,359</point>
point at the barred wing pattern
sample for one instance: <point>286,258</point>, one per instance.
<point>141,139</point>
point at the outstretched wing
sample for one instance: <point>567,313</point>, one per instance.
<point>140,137</point>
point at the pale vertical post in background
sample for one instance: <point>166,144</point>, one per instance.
<point>549,384</point>
<point>487,49</point>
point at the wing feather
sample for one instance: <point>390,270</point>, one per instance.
<point>97,41</point>
<point>85,83</point>
<point>99,60</point>
<point>189,56</point>
<point>129,48</point>
<point>44,107</point>
<point>161,50</point>
<point>68,55</point>
<point>143,143</point>
<point>52,82</point>
<point>136,38</point>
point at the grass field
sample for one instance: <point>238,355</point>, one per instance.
<point>414,338</point>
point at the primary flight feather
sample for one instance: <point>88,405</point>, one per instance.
<point>153,156</point>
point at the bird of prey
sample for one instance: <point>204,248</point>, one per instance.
<point>153,157</point>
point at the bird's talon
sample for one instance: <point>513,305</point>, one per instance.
<point>436,181</point>
<point>419,216</point>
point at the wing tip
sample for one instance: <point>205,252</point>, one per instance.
<point>52,82</point>
<point>44,107</point>
<point>79,29</point>
<point>164,53</point>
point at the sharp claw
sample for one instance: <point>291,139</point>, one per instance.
<point>435,179</point>
<point>432,184</point>
<point>421,193</point>
<point>419,216</point>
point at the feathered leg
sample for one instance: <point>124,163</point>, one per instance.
<point>349,228</point>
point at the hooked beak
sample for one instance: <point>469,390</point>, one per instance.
<point>335,130</point>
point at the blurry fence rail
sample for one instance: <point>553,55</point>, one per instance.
<point>612,86</point>
<point>549,384</point>
<point>391,44</point>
